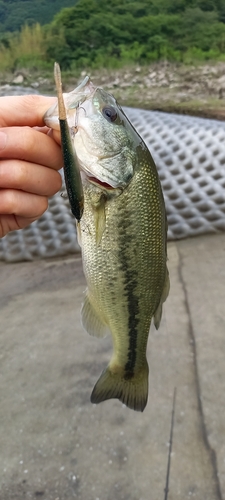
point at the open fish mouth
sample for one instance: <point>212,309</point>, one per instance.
<point>104,183</point>
<point>100,183</point>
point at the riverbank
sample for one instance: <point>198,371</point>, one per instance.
<point>197,90</point>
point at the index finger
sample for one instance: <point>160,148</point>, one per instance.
<point>24,110</point>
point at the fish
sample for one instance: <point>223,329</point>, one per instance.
<point>123,237</point>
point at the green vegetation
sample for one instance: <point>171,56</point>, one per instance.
<point>113,33</point>
<point>16,13</point>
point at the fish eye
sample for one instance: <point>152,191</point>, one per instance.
<point>109,113</point>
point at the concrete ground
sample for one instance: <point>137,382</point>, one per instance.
<point>56,445</point>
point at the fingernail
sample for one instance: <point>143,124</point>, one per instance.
<point>3,140</point>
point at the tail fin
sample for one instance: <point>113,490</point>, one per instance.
<point>133,391</point>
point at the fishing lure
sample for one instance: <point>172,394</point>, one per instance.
<point>71,168</point>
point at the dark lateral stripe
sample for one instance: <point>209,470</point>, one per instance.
<point>133,310</point>
<point>130,287</point>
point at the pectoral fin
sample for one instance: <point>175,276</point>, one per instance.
<point>79,239</point>
<point>91,321</point>
<point>99,218</point>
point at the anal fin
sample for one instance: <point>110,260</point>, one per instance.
<point>91,320</point>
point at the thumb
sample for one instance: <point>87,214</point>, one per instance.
<point>24,110</point>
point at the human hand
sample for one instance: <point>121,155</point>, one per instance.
<point>29,160</point>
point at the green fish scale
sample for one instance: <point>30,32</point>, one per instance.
<point>125,272</point>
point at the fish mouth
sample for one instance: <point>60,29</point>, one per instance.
<point>100,183</point>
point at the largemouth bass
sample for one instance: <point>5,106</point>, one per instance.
<point>122,234</point>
